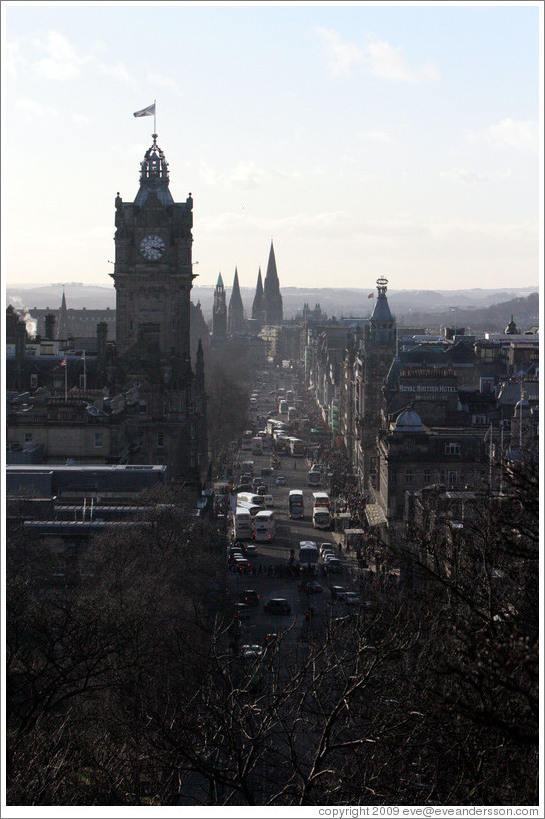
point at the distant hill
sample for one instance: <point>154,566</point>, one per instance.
<point>477,308</point>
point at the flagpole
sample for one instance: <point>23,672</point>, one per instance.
<point>65,380</point>
<point>155,116</point>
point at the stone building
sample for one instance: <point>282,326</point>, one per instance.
<point>153,276</point>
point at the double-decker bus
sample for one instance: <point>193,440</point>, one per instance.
<point>247,438</point>
<point>264,526</point>
<point>296,447</point>
<point>242,524</point>
<point>296,503</point>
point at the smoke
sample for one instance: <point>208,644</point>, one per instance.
<point>31,323</point>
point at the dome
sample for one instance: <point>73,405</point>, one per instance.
<point>511,328</point>
<point>408,421</point>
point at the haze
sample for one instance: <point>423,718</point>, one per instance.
<point>364,140</point>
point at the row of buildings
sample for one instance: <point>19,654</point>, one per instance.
<point>411,409</point>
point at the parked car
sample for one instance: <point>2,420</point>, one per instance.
<point>250,597</point>
<point>281,481</point>
<point>277,605</point>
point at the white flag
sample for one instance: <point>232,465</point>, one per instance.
<point>146,112</point>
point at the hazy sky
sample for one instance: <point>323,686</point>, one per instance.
<point>365,140</point>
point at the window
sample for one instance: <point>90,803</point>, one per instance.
<point>33,381</point>
<point>452,478</point>
<point>28,437</point>
<point>99,439</point>
<point>160,439</point>
<point>409,475</point>
<point>452,449</point>
<point>427,476</point>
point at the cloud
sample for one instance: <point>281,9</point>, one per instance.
<point>165,82</point>
<point>463,175</point>
<point>36,109</point>
<point>342,56</point>
<point>376,135</point>
<point>52,56</point>
<point>509,134</point>
<point>245,174</point>
<point>380,58</point>
<point>388,63</point>
<point>61,62</point>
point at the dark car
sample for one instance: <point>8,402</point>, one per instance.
<point>277,605</point>
<point>250,597</point>
<point>243,487</point>
<point>312,587</point>
<point>337,592</point>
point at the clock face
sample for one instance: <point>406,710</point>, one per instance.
<point>152,247</point>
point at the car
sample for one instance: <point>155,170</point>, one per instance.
<point>250,549</point>
<point>242,611</point>
<point>281,481</point>
<point>328,554</point>
<point>311,586</point>
<point>243,487</point>
<point>277,605</point>
<point>334,565</point>
<point>352,598</point>
<point>337,592</point>
<point>327,547</point>
<point>262,489</point>
<point>250,651</point>
<point>250,597</point>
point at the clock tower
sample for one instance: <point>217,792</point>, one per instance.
<point>153,279</point>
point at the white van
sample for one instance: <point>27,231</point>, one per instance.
<point>269,501</point>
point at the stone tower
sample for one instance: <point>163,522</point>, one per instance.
<point>153,278</point>
<point>257,306</point>
<point>236,324</point>
<point>219,312</point>
<point>62,321</point>
<point>378,351</point>
<point>272,300</point>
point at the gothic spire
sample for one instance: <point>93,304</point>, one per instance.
<point>236,309</point>
<point>257,306</point>
<point>272,299</point>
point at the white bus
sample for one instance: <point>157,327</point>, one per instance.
<point>308,554</point>
<point>296,447</point>
<point>321,519</point>
<point>264,526</point>
<point>296,504</point>
<point>253,500</point>
<point>250,507</point>
<point>320,499</point>
<point>247,438</point>
<point>242,524</point>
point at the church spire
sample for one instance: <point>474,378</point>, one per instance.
<point>236,309</point>
<point>62,324</point>
<point>272,300</point>
<point>257,306</point>
<point>219,312</point>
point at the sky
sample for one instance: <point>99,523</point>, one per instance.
<point>363,139</point>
